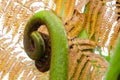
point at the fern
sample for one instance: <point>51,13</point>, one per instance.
<point>94,22</point>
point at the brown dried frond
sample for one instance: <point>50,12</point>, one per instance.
<point>88,66</point>
<point>26,72</point>
<point>15,66</point>
<point>83,44</point>
<point>16,69</point>
<point>69,9</point>
<point>64,9</point>
<point>93,8</point>
<point>3,39</point>
<point>31,76</point>
<point>75,25</point>
<point>86,71</point>
<point>72,61</point>
<point>114,36</point>
<point>115,28</point>
<point>35,5</point>
<point>94,18</point>
<point>88,15</point>
<point>8,66</point>
<point>9,16</point>
<point>85,64</point>
<point>6,45</point>
<point>98,23</point>
<point>81,63</point>
<point>3,61</point>
<point>105,25</point>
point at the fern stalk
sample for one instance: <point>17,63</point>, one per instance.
<point>114,67</point>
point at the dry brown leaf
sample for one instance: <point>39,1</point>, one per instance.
<point>108,18</point>
<point>90,67</point>
<point>114,36</point>
<point>75,25</point>
<point>94,17</point>
<point>85,64</point>
<point>65,9</point>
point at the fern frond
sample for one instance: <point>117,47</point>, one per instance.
<point>94,19</point>
<point>65,9</point>
<point>84,64</point>
<point>108,18</point>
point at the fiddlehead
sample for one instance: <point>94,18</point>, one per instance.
<point>59,46</point>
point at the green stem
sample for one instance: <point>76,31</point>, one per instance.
<point>59,44</point>
<point>113,71</point>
